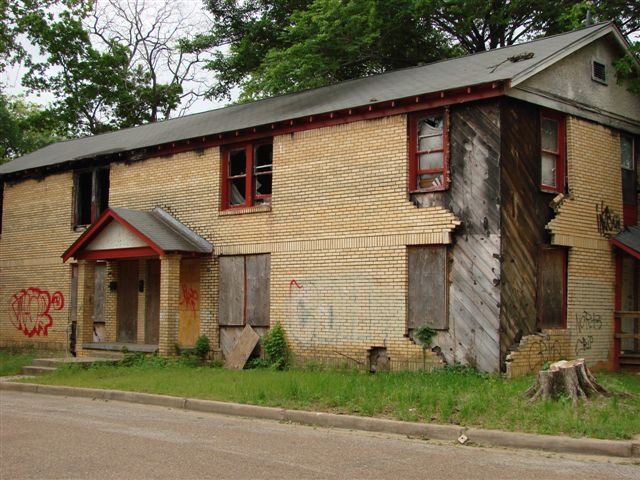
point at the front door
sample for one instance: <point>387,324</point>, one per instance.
<point>152,303</point>
<point>127,310</point>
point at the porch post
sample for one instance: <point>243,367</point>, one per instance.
<point>86,292</point>
<point>169,304</point>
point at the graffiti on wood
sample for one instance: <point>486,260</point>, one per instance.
<point>31,310</point>
<point>608,222</point>
<point>189,298</point>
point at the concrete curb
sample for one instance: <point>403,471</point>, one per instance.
<point>475,436</point>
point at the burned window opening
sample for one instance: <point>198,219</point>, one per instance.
<point>91,195</point>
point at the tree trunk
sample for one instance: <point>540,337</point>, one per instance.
<point>572,378</point>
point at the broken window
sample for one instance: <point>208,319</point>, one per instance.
<point>626,151</point>
<point>552,152</point>
<point>552,287</point>
<point>247,172</point>
<point>629,179</point>
<point>428,287</point>
<point>91,195</point>
<point>244,290</point>
<point>428,151</point>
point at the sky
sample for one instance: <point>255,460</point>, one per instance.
<point>190,11</point>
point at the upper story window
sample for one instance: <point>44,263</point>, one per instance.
<point>91,195</point>
<point>626,152</point>
<point>247,173</point>
<point>552,151</point>
<point>428,151</point>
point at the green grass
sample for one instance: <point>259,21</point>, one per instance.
<point>11,362</point>
<point>448,396</point>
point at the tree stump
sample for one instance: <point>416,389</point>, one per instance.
<point>572,378</point>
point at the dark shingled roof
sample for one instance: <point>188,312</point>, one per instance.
<point>481,68</point>
<point>164,230</point>
<point>630,238</point>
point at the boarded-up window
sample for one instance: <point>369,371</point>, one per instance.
<point>428,287</point>
<point>552,287</point>
<point>244,290</point>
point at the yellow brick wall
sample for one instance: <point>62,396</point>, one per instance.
<point>594,176</point>
<point>36,231</point>
<point>536,350</point>
<point>340,218</point>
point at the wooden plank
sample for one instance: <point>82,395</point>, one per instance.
<point>523,215</point>
<point>127,303</point>
<point>428,287</point>
<point>635,315</point>
<point>152,303</point>
<point>228,338</point>
<point>628,335</point>
<point>232,285</point>
<point>99,293</point>
<point>242,349</point>
<point>189,323</point>
<point>551,287</point>
<point>258,289</point>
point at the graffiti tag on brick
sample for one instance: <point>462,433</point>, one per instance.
<point>31,310</point>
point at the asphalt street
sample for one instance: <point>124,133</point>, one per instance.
<point>50,437</point>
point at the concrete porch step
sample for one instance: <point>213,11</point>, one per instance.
<point>34,370</point>
<point>44,366</point>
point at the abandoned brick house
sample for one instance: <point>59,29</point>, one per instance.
<point>492,197</point>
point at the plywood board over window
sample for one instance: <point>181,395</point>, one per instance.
<point>428,287</point>
<point>552,287</point>
<point>244,290</point>
<point>189,326</point>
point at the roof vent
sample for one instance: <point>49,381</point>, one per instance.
<point>599,72</point>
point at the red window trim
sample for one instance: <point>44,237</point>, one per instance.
<point>561,154</point>
<point>250,194</point>
<point>414,171</point>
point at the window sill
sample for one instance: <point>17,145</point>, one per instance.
<point>79,228</point>
<point>432,190</point>
<point>245,210</point>
<point>554,190</point>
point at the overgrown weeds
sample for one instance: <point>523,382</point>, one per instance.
<point>454,395</point>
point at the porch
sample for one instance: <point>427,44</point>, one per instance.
<point>136,283</point>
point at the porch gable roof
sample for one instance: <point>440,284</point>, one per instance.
<point>155,232</point>
<point>629,241</point>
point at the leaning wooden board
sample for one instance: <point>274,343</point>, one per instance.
<point>242,349</point>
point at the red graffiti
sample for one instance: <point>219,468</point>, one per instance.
<point>293,283</point>
<point>31,310</point>
<point>189,297</point>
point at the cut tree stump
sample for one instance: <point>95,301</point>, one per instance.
<point>572,378</point>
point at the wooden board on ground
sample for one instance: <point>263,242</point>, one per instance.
<point>242,349</point>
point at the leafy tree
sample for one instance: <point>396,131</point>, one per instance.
<point>107,68</point>
<point>268,47</point>
<point>24,127</point>
<point>333,41</point>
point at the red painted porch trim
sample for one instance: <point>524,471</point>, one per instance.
<point>624,248</point>
<point>617,323</point>
<point>117,253</point>
<point>96,227</point>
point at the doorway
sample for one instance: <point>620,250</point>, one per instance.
<point>127,305</point>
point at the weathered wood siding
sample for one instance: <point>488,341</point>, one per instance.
<point>474,196</point>
<point>525,212</point>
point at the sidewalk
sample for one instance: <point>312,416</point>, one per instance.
<point>451,433</point>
